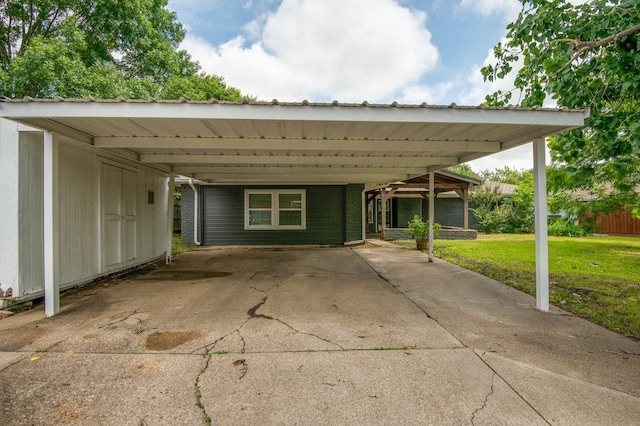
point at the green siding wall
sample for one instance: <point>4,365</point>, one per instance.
<point>353,213</point>
<point>223,215</point>
<point>407,208</point>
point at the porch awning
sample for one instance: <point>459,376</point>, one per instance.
<point>303,143</point>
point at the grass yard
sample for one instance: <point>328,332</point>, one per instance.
<point>597,278</point>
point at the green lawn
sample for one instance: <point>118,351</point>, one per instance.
<point>597,278</point>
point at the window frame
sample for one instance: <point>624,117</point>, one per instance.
<point>275,209</point>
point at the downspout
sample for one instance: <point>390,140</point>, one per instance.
<point>196,241</point>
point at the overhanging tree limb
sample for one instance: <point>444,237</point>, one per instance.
<point>585,46</point>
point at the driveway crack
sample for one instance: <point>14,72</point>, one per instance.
<point>495,373</point>
<point>253,313</point>
<point>486,400</point>
<point>120,320</point>
<point>199,403</point>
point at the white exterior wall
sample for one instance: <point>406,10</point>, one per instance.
<point>80,218</point>
<point>9,256</point>
<point>30,213</point>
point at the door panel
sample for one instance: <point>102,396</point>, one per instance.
<point>119,207</point>
<point>129,186</point>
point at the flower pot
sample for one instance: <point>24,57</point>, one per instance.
<point>422,244</point>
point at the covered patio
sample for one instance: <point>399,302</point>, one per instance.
<point>287,144</point>
<point>417,188</point>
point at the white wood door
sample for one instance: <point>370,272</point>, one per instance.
<point>119,207</point>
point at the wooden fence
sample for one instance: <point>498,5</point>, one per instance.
<point>619,223</point>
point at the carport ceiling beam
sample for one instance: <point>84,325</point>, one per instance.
<point>225,170</point>
<point>300,178</point>
<point>296,144</point>
<point>297,159</point>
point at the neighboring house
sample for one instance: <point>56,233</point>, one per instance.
<point>88,187</point>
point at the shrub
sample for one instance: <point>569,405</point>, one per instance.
<point>560,227</point>
<point>419,229</point>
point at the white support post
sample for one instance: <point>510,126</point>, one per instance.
<point>51,285</point>
<point>431,213</point>
<point>383,212</point>
<point>364,215</point>
<point>169,253</point>
<point>542,243</point>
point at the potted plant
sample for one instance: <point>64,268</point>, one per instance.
<point>419,230</point>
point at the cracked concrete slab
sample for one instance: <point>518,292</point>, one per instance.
<point>565,400</point>
<point>100,389</point>
<point>363,387</point>
<point>487,315</point>
<point>329,334</point>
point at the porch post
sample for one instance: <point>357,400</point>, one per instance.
<point>383,211</point>
<point>542,243</point>
<point>170,205</point>
<point>365,215</point>
<point>465,213</point>
<point>50,200</point>
<point>431,214</point>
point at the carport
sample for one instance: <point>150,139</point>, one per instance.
<point>287,143</point>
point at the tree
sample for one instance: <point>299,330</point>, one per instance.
<point>104,49</point>
<point>509,175</point>
<point>582,56</point>
<point>491,213</point>
<point>462,169</point>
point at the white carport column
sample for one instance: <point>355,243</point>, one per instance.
<point>51,285</point>
<point>542,243</point>
<point>431,213</point>
<point>170,202</point>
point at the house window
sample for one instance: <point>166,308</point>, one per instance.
<point>274,209</point>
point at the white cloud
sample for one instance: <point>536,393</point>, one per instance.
<point>480,88</point>
<point>508,8</point>
<point>434,95</point>
<point>325,49</point>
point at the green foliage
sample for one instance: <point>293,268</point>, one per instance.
<point>105,49</point>
<point>419,229</point>
<point>491,214</point>
<point>522,217</point>
<point>560,227</point>
<point>507,174</point>
<point>582,56</point>
<point>462,169</point>
<point>496,213</point>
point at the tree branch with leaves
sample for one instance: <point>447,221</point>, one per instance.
<point>581,56</point>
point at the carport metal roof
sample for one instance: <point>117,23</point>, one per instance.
<point>303,143</point>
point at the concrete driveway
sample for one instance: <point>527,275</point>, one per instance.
<point>369,335</point>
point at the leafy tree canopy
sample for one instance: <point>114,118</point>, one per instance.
<point>582,56</point>
<point>104,49</point>
<point>509,175</point>
<point>462,169</point>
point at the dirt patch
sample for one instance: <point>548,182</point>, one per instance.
<point>163,341</point>
<point>188,275</point>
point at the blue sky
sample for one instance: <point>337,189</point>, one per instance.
<point>381,51</point>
